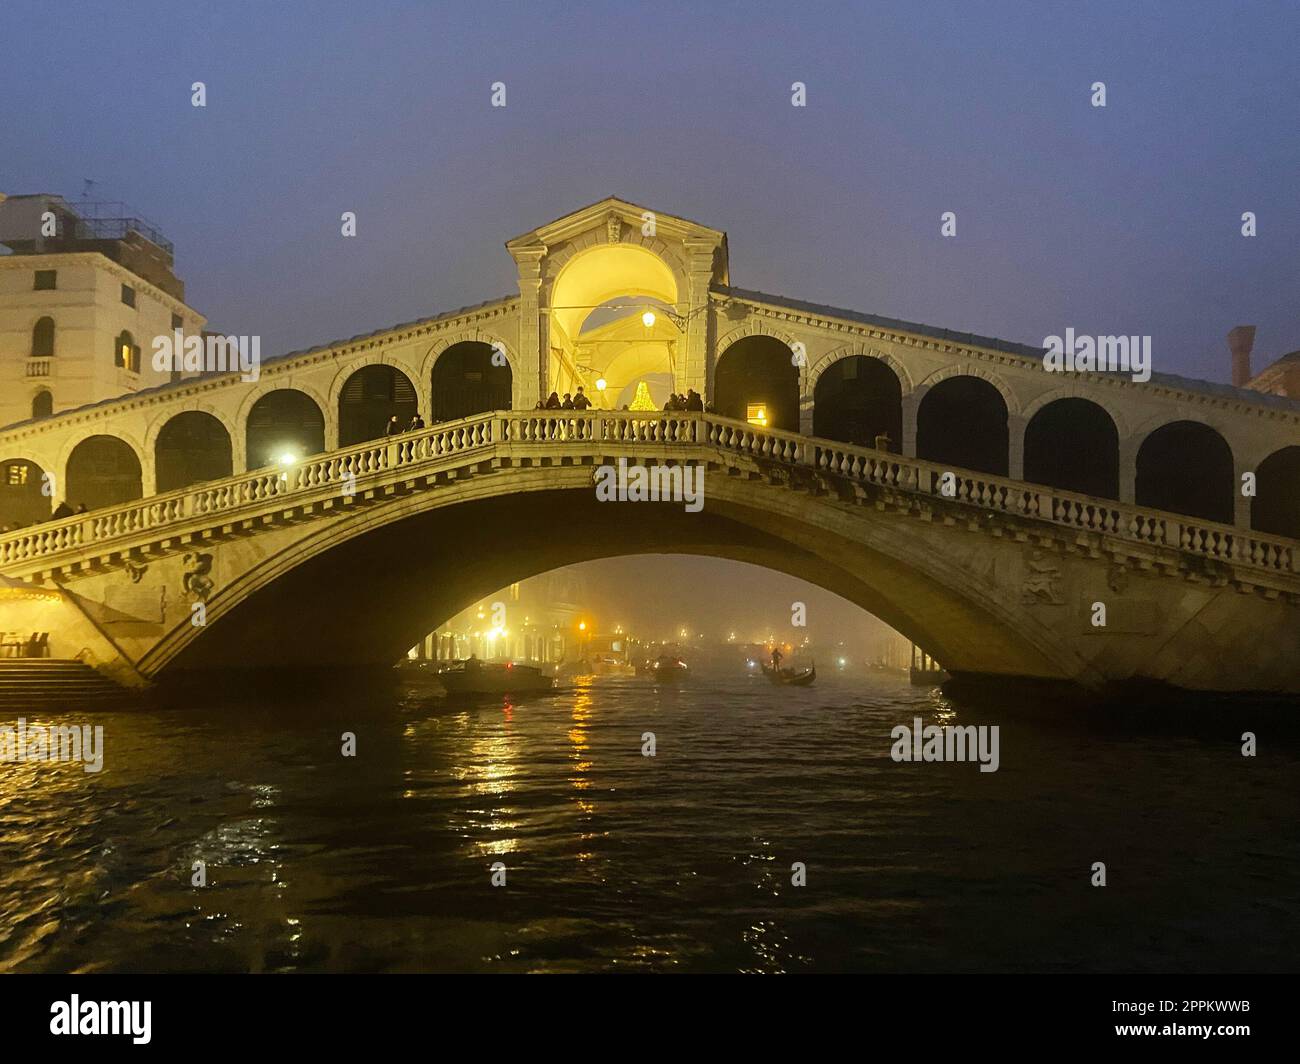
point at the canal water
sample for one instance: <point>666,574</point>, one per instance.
<point>615,861</point>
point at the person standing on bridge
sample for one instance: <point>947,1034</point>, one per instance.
<point>580,401</point>
<point>553,401</point>
<point>393,428</point>
<point>417,423</point>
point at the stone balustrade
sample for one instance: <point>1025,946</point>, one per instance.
<point>680,436</point>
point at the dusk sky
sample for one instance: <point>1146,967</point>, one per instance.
<point>1118,220</point>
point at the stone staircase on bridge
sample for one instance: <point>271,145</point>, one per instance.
<point>29,685</point>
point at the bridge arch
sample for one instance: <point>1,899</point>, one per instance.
<point>102,471</point>
<point>340,571</point>
<point>1166,480</point>
<point>859,350</point>
<point>282,421</point>
<point>506,388</point>
<point>758,371</point>
<point>1073,443</point>
<point>963,420</point>
<point>367,394</point>
<point>22,502</point>
<point>856,397</point>
<point>1276,506</point>
<point>192,446</point>
<point>156,425</point>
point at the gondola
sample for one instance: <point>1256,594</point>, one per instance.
<point>789,677</point>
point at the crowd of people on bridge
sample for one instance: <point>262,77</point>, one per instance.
<point>692,400</point>
<point>64,509</point>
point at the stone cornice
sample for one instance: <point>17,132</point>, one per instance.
<point>283,365</point>
<point>96,258</point>
<point>831,324</point>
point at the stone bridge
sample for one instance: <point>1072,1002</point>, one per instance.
<point>350,556</point>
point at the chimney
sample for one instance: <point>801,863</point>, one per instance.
<point>1240,341</point>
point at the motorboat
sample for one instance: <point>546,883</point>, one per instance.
<point>474,677</point>
<point>669,669</point>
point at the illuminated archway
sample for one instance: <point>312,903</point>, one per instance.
<point>756,380</point>
<point>22,500</point>
<point>612,325</point>
<point>283,423</point>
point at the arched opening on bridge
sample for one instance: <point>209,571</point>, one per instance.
<point>22,501</point>
<point>579,619</point>
<point>192,447</point>
<point>372,612</point>
<point>370,397</point>
<point>102,471</point>
<point>466,382</point>
<point>1276,506</point>
<point>756,380</point>
<point>857,399</point>
<point>43,403</point>
<point>1186,468</point>
<point>962,422</point>
<point>283,424</point>
<point>615,328</point>
<point>1073,444</point>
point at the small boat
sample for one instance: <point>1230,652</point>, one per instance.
<point>791,677</point>
<point>474,677</point>
<point>670,670</point>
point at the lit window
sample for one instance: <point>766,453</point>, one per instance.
<point>756,414</point>
<point>15,475</point>
<point>126,353</point>
<point>46,280</point>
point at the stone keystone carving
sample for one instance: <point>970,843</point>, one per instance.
<point>1043,583</point>
<point>614,228</point>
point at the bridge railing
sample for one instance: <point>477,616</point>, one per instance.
<point>350,468</point>
<point>1005,495</point>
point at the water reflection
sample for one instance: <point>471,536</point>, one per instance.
<point>681,861</point>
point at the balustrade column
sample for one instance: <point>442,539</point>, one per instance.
<point>1128,451</point>
<point>1240,503</point>
<point>907,446</point>
<point>1016,447</point>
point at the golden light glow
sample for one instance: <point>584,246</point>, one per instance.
<point>756,414</point>
<point>601,384</point>
<point>642,400</point>
<point>648,319</point>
